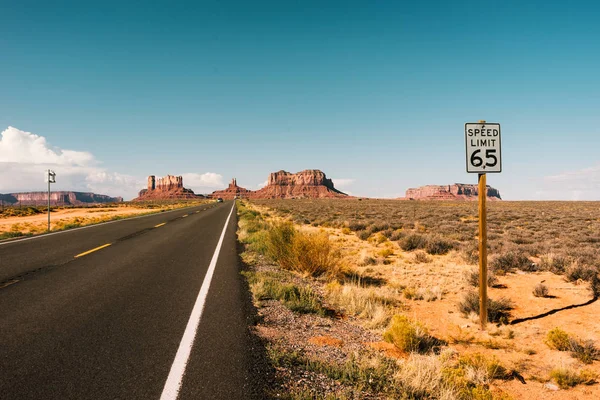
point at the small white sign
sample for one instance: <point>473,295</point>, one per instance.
<point>484,153</point>
<point>50,176</point>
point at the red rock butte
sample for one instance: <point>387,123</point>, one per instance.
<point>458,191</point>
<point>166,188</point>
<point>310,183</point>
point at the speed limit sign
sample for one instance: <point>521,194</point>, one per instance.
<point>484,153</point>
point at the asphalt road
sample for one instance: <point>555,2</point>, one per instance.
<point>112,323</point>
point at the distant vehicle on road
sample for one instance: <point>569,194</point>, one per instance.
<point>219,200</point>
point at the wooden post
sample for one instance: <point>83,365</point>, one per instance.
<point>483,299</point>
<point>482,251</point>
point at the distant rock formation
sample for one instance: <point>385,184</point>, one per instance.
<point>458,191</point>
<point>57,198</point>
<point>233,191</point>
<point>311,183</point>
<point>168,187</point>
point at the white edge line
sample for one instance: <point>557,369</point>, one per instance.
<point>43,235</point>
<point>175,378</point>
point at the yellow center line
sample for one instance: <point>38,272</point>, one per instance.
<point>184,216</point>
<point>159,225</point>
<point>92,250</point>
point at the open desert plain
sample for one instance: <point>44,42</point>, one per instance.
<point>377,299</point>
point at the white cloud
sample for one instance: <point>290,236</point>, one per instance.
<point>25,156</point>
<point>202,183</point>
<point>341,183</point>
<point>18,146</point>
<point>583,184</point>
<point>262,184</point>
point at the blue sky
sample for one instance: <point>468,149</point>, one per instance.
<point>375,93</point>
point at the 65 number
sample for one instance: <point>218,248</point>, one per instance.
<point>490,154</point>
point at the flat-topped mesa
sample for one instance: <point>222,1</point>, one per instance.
<point>310,183</point>
<point>458,191</point>
<point>168,187</point>
<point>233,191</point>
<point>309,177</point>
<point>57,198</point>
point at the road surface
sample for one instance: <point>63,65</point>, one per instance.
<point>146,308</point>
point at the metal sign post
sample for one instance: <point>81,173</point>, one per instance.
<point>50,178</point>
<point>484,155</point>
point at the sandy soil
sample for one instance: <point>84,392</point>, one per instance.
<point>36,223</point>
<point>514,344</point>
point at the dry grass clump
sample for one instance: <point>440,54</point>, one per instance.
<point>373,305</point>
<point>449,377</point>
<point>554,263</point>
<point>541,290</point>
<point>472,278</point>
<point>498,310</point>
<point>558,339</point>
<point>510,261</point>
<point>308,253</point>
<point>578,272</point>
<point>583,350</point>
<point>566,378</point>
<point>438,246</point>
<point>270,286</point>
<point>413,242</point>
<point>410,336</point>
<point>422,257</point>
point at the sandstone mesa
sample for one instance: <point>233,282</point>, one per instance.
<point>59,198</point>
<point>458,191</point>
<point>310,183</point>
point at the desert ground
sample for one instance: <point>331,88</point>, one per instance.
<point>377,298</point>
<point>20,221</point>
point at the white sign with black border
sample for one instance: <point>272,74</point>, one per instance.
<point>484,152</point>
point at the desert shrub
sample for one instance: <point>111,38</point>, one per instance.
<point>307,253</point>
<point>498,310</point>
<point>357,226</point>
<point>422,257</point>
<point>372,305</point>
<point>558,339</point>
<point>280,242</point>
<point>566,378</point>
<point>388,233</point>
<point>378,227</point>
<point>314,254</point>
<point>585,351</point>
<point>386,252</point>
<point>482,370</point>
<point>269,286</point>
<point>413,241</point>
<point>577,271</point>
<point>410,293</point>
<point>368,260</point>
<point>471,253</point>
<point>540,290</point>
<point>363,235</point>
<point>472,278</point>
<point>11,234</point>
<point>409,336</point>
<point>258,241</point>
<point>396,235</point>
<point>554,264</point>
<point>509,261</point>
<point>438,246</point>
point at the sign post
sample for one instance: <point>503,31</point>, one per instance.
<point>483,153</point>
<point>50,178</point>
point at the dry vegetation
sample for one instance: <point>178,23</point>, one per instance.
<point>18,221</point>
<point>377,299</point>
